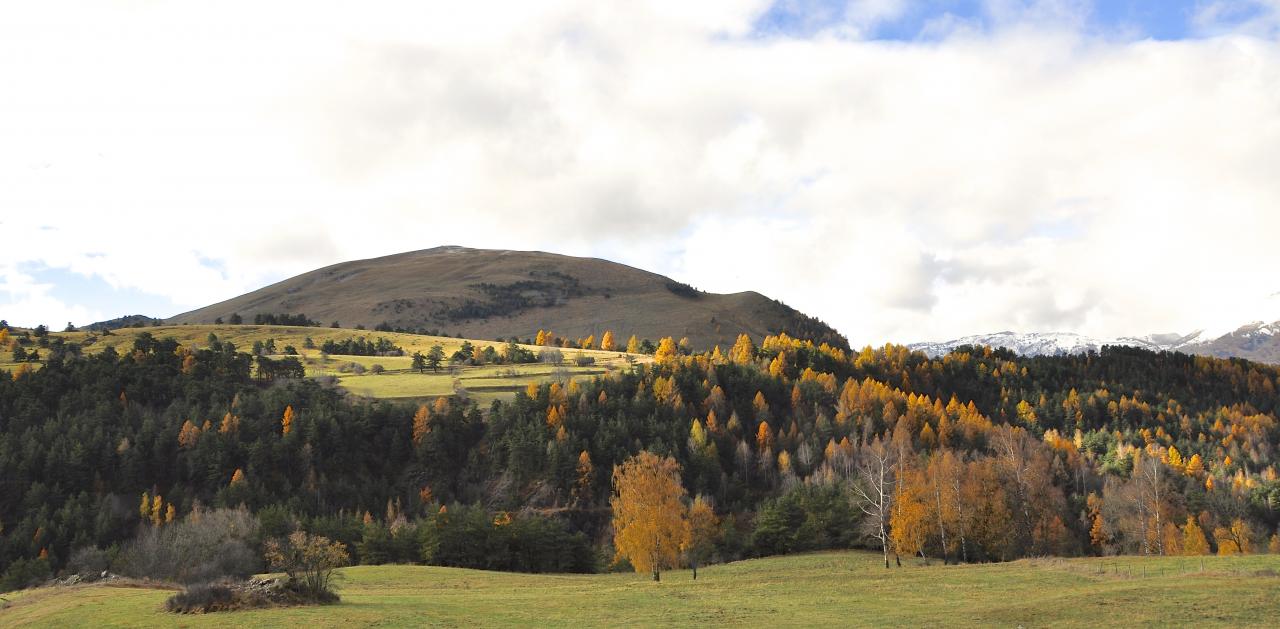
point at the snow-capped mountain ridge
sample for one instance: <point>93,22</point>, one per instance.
<point>1255,341</point>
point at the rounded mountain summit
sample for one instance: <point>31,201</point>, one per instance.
<point>490,294</point>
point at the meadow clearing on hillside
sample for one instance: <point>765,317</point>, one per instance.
<point>833,588</point>
<point>484,383</point>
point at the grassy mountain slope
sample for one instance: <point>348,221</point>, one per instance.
<point>831,589</point>
<point>399,381</point>
<point>488,294</point>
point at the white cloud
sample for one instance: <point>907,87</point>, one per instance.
<point>1024,177</point>
<point>25,300</point>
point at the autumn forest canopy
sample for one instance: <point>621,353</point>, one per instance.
<point>751,450</point>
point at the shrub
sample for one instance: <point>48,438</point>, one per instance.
<point>309,560</point>
<point>201,598</point>
<point>88,561</point>
<point>205,546</point>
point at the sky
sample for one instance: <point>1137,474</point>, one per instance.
<point>905,171</point>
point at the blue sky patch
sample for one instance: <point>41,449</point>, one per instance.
<point>1129,19</point>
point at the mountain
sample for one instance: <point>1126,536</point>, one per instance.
<point>127,321</point>
<point>1256,341</point>
<point>481,293</point>
<point>1031,344</point>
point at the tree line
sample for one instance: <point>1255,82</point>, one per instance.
<point>784,446</point>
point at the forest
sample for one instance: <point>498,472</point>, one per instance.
<point>782,447</point>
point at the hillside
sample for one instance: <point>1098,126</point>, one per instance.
<point>489,294</point>
<point>824,589</point>
<point>394,377</point>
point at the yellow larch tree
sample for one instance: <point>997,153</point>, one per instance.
<point>585,473</point>
<point>909,521</point>
<point>650,526</point>
<point>286,422</point>
<point>778,366</point>
<point>554,418</point>
<point>764,437</point>
<point>606,341</point>
<point>743,350</point>
<point>230,424</point>
<point>704,526</point>
<point>421,423</point>
<point>633,345</point>
<point>188,435</point>
<point>157,510</point>
<point>1097,532</point>
<point>666,352</point>
<point>1193,540</point>
<point>237,477</point>
<point>1195,466</point>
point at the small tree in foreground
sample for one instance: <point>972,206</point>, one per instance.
<point>309,560</point>
<point>650,528</point>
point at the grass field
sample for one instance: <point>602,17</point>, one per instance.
<point>482,383</point>
<point>824,589</point>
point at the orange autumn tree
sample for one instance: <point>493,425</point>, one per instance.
<point>286,422</point>
<point>650,528</point>
<point>585,471</point>
<point>421,423</point>
<point>909,519</point>
<point>606,342</point>
<point>704,526</point>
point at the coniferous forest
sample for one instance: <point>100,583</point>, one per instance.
<point>978,456</point>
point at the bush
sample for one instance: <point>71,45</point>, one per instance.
<point>202,598</point>
<point>206,546</point>
<point>89,561</point>
<point>309,560</point>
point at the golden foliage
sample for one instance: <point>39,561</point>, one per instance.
<point>230,424</point>
<point>188,435</point>
<point>237,477</point>
<point>764,437</point>
<point>909,516</point>
<point>286,422</point>
<point>1235,539</point>
<point>421,423</point>
<point>649,523</point>
<point>743,350</point>
<point>666,352</point>
<point>1193,540</point>
<point>606,341</point>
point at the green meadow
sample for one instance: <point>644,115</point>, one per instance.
<point>484,383</point>
<point>823,589</point>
